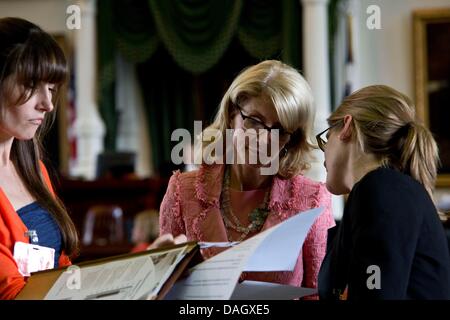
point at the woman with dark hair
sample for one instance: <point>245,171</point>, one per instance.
<point>32,69</point>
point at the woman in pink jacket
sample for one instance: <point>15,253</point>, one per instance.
<point>270,104</point>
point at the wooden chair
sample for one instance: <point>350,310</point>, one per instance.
<point>103,226</point>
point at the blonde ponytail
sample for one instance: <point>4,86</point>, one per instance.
<point>419,155</point>
<point>385,125</point>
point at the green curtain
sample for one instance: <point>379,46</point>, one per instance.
<point>196,32</point>
<point>135,31</point>
<point>333,17</point>
<point>260,28</point>
<point>168,98</point>
<point>291,33</point>
<point>106,72</point>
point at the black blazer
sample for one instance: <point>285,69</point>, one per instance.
<point>390,222</point>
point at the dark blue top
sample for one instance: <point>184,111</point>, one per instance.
<point>390,230</point>
<point>37,218</point>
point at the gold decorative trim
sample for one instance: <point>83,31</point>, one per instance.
<point>421,18</point>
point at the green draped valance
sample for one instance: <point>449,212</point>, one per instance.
<point>260,27</point>
<point>197,33</point>
<point>135,32</point>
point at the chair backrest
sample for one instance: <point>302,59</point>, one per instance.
<point>103,226</point>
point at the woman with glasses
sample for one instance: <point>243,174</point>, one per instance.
<point>232,200</point>
<point>390,243</point>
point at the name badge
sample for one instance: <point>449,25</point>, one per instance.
<point>32,258</point>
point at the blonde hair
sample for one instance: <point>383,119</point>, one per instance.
<point>291,96</point>
<point>385,125</point>
<point>148,222</point>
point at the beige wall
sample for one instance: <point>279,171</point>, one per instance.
<point>48,14</point>
<point>386,55</point>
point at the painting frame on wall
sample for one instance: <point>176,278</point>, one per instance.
<point>432,79</point>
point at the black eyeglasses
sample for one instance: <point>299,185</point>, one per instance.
<point>253,123</point>
<point>321,142</point>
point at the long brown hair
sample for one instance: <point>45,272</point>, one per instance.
<point>385,125</point>
<point>28,57</point>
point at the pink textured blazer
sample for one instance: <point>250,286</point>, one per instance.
<point>191,206</point>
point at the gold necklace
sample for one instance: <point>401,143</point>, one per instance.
<point>257,217</point>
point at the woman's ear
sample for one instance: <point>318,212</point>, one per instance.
<point>347,129</point>
<point>232,112</point>
<point>230,123</point>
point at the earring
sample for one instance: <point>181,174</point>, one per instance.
<point>285,151</point>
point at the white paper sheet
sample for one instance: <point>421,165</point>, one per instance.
<point>281,244</point>
<point>216,278</point>
<point>131,279</point>
<point>256,290</point>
